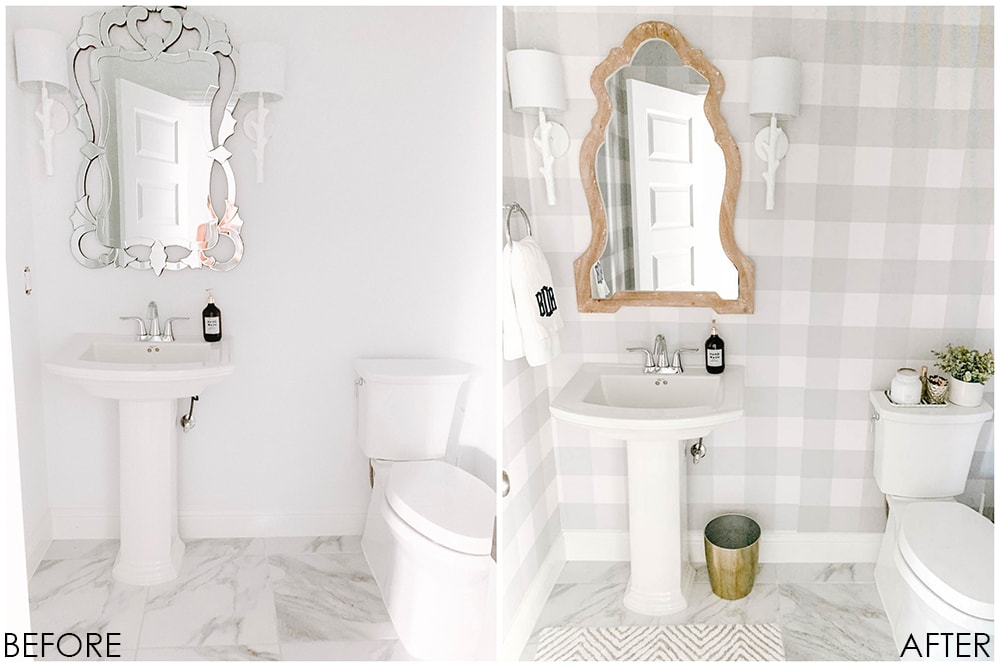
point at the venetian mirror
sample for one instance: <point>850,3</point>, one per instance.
<point>154,90</point>
<point>661,174</point>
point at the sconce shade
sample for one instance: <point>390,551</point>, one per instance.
<point>775,86</point>
<point>536,81</point>
<point>40,57</point>
<point>260,70</point>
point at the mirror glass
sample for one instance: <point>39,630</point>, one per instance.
<point>662,175</point>
<point>155,94</point>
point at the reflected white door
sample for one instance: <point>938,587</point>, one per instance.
<point>157,136</point>
<point>678,175</point>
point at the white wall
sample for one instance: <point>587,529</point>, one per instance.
<point>373,235</point>
<point>24,347</point>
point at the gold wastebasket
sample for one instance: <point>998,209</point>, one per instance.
<point>732,543</point>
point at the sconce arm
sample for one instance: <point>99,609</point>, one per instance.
<point>771,145</point>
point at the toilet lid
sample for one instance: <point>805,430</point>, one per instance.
<point>443,503</point>
<point>950,548</point>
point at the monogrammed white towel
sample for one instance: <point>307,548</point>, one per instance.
<point>535,320</point>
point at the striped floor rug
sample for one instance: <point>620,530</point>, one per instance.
<point>662,642</point>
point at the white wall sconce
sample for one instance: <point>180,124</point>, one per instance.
<point>537,87</point>
<point>775,85</point>
<point>260,78</point>
<point>40,56</point>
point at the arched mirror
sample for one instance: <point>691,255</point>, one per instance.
<point>661,174</point>
<point>155,93</point>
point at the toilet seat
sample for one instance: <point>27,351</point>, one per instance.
<point>443,503</point>
<point>949,547</point>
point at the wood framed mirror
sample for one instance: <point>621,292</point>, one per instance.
<point>661,174</point>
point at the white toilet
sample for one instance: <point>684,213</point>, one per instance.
<point>429,529</point>
<point>935,565</point>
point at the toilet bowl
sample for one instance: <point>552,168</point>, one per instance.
<point>428,537</point>
<point>935,575</point>
<point>429,528</point>
<point>934,571</point>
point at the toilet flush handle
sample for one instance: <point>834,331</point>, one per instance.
<point>504,484</point>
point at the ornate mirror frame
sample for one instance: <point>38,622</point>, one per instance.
<point>193,38</point>
<point>695,59</point>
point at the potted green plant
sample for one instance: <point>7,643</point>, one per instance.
<point>969,371</point>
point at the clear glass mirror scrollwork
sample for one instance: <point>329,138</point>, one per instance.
<point>155,93</point>
<point>661,174</point>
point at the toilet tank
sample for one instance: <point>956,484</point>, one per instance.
<point>925,451</point>
<point>406,406</point>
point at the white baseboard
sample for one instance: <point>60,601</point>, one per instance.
<point>37,542</point>
<point>530,607</point>
<point>778,546</point>
<point>74,523</point>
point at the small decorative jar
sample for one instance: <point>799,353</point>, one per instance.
<point>906,387</point>
<point>937,389</point>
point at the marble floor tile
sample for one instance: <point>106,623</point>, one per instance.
<point>81,549</point>
<point>220,598</point>
<point>121,655</point>
<point>594,572</point>
<point>214,547</point>
<point>373,649</point>
<point>200,653</point>
<point>81,596</point>
<point>826,611</point>
<point>760,606</point>
<point>277,546</point>
<point>321,597</point>
<point>820,573</point>
<point>598,604</point>
<point>834,622</point>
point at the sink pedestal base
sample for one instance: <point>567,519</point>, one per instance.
<point>151,549</point>
<point>661,572</point>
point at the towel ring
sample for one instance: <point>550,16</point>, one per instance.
<point>512,208</point>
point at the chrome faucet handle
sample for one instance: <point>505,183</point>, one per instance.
<point>676,361</point>
<point>143,335</point>
<point>660,351</point>
<point>649,366</point>
<point>168,332</point>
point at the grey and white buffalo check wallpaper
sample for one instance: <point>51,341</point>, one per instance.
<point>879,249</point>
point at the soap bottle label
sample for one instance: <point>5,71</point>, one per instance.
<point>714,358</point>
<point>212,325</point>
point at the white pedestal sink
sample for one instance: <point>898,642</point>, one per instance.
<point>146,379</point>
<point>654,414</point>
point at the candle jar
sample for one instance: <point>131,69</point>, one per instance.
<point>906,387</point>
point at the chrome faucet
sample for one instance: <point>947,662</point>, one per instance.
<point>153,315</point>
<point>153,333</point>
<point>656,361</point>
<point>660,350</point>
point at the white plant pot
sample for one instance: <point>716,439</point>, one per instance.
<point>967,394</point>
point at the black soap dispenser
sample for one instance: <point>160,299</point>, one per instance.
<point>211,320</point>
<point>715,352</point>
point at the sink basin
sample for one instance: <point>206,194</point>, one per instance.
<point>621,401</point>
<point>656,415</point>
<point>132,352</point>
<point>118,366</point>
<point>146,379</point>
